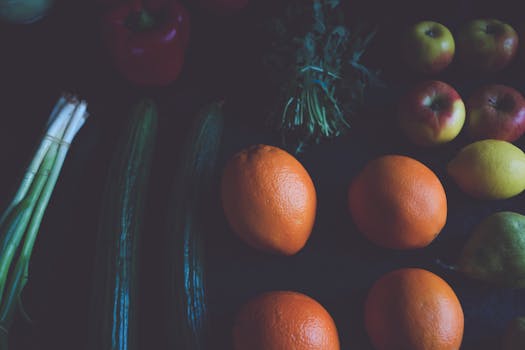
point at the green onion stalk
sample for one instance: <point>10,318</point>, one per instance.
<point>20,222</point>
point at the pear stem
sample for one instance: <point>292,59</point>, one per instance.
<point>446,266</point>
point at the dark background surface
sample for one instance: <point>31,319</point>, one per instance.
<point>63,52</point>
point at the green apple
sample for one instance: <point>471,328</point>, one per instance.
<point>23,11</point>
<point>486,45</point>
<point>428,47</point>
<point>431,113</point>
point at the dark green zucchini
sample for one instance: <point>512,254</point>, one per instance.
<point>187,227</point>
<point>114,303</point>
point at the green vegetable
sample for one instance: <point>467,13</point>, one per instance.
<point>187,228</point>
<point>20,222</point>
<point>495,252</point>
<point>114,303</point>
<point>316,60</point>
<point>24,11</point>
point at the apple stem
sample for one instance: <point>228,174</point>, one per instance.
<point>431,33</point>
<point>437,105</point>
<point>491,29</point>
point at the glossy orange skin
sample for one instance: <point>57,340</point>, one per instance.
<point>413,309</point>
<point>398,203</point>
<point>284,320</point>
<point>269,199</point>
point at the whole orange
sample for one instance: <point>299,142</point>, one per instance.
<point>284,321</point>
<point>413,309</point>
<point>269,199</point>
<point>397,202</point>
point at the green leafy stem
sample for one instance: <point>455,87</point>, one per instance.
<point>318,66</point>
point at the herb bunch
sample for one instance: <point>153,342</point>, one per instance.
<point>316,60</point>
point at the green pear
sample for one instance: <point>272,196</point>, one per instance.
<point>495,252</point>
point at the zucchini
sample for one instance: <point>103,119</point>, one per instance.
<point>186,229</point>
<point>114,299</point>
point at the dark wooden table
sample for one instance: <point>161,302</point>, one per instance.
<point>63,52</point>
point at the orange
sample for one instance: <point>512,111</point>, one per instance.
<point>413,309</point>
<point>397,202</point>
<point>284,321</point>
<point>269,199</point>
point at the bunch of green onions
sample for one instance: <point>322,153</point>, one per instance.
<point>20,222</point>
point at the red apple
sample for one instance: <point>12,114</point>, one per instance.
<point>431,113</point>
<point>486,45</point>
<point>496,112</point>
<point>428,47</point>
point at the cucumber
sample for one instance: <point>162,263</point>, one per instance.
<point>192,191</point>
<point>114,302</point>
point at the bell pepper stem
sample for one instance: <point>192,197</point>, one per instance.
<point>145,21</point>
<point>140,20</point>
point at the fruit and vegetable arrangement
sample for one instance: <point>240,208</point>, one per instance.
<point>267,199</point>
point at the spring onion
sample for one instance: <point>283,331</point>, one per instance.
<point>20,222</point>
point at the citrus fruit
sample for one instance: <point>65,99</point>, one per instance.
<point>489,169</point>
<point>413,309</point>
<point>284,321</point>
<point>269,199</point>
<point>495,252</point>
<point>397,202</point>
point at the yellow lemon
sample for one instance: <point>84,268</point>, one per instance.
<point>489,169</point>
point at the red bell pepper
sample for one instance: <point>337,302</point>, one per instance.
<point>147,42</point>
